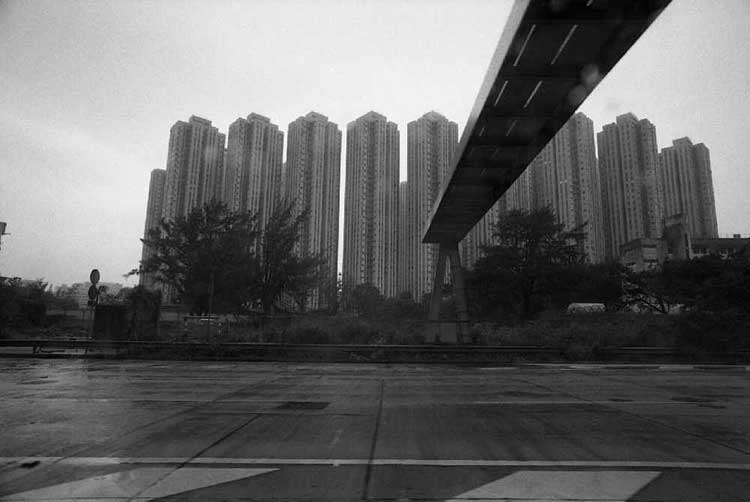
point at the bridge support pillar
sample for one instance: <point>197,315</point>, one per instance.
<point>448,251</point>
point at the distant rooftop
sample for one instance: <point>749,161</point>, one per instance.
<point>258,117</point>
<point>194,119</point>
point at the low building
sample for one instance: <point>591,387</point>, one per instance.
<point>649,253</point>
<point>677,244</point>
<point>721,246</point>
<point>642,254</point>
<point>676,237</point>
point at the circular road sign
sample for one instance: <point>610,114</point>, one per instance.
<point>93,292</point>
<point>94,276</point>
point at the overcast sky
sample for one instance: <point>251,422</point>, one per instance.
<point>89,90</point>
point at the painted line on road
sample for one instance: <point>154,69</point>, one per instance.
<point>582,401</point>
<point>98,461</point>
<point>635,366</point>
<point>562,486</point>
<point>141,484</point>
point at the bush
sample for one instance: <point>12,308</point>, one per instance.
<point>305,333</point>
<point>21,306</point>
<point>356,332</point>
<point>724,331</point>
<point>602,329</point>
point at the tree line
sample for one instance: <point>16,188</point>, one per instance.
<point>535,265</point>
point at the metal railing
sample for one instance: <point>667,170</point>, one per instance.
<point>448,353</point>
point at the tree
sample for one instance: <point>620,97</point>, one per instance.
<point>282,269</point>
<point>708,283</point>
<point>64,303</point>
<point>523,271</point>
<point>144,309</point>
<point>646,291</point>
<point>330,290</point>
<point>401,308</point>
<point>23,304</point>
<point>594,283</point>
<point>366,299</point>
<point>207,257</point>
<point>220,262</point>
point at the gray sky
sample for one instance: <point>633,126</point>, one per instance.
<point>89,90</point>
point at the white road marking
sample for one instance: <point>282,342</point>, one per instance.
<point>142,484</point>
<point>574,401</point>
<point>579,464</point>
<point>562,485</point>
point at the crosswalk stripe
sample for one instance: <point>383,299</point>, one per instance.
<point>551,486</point>
<point>142,484</point>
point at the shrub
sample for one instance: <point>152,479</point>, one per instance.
<point>724,331</point>
<point>355,332</point>
<point>305,333</point>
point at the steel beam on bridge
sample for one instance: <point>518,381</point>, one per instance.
<point>549,58</point>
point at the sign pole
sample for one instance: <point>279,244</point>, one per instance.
<point>93,299</point>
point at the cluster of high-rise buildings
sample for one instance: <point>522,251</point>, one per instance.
<point>624,194</point>
<point>629,193</point>
<point>245,170</point>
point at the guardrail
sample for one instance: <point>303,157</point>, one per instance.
<point>342,352</point>
<point>37,344</point>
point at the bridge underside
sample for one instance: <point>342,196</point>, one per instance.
<point>550,56</point>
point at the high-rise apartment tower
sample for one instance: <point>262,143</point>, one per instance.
<point>568,172</point>
<point>631,206</point>
<point>252,175</point>
<point>154,210</point>
<point>405,228</point>
<point>194,171</point>
<point>194,166</point>
<point>312,176</point>
<point>432,141</point>
<point>687,186</point>
<point>371,203</point>
<point>564,177</point>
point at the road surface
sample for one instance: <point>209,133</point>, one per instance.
<point>144,430</point>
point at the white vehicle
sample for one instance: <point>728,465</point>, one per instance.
<point>585,308</point>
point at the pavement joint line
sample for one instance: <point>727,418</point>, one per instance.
<point>193,457</point>
<point>373,444</point>
<point>190,461</point>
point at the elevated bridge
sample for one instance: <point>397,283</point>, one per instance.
<point>551,55</point>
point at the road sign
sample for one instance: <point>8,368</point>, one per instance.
<point>93,292</point>
<point>94,278</point>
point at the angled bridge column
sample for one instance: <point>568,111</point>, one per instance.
<point>448,251</point>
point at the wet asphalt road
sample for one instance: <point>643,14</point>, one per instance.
<point>144,430</point>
